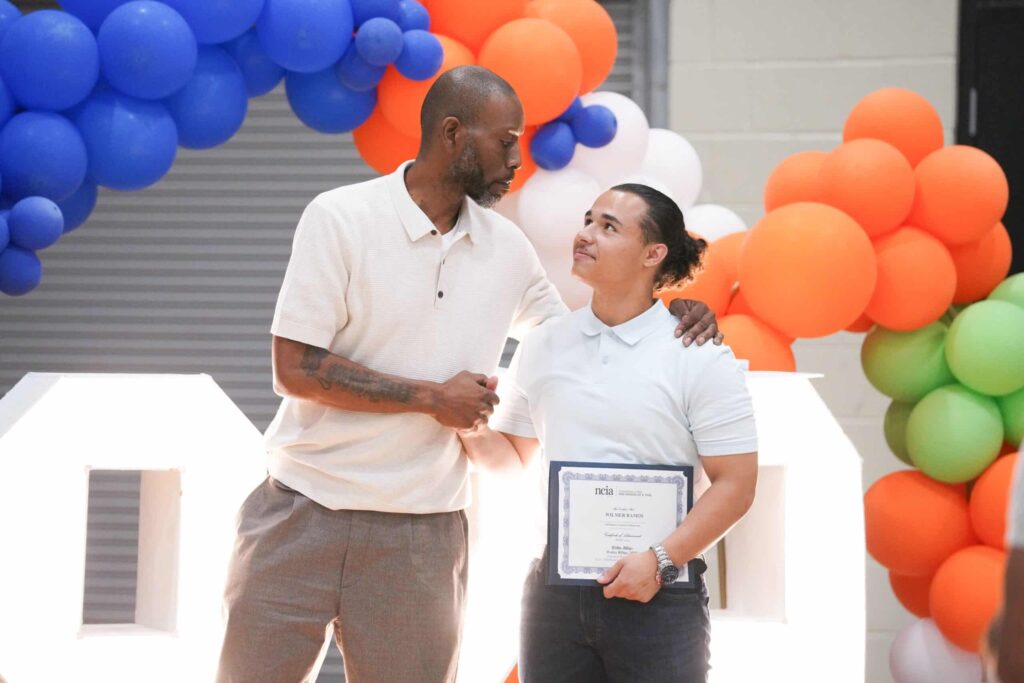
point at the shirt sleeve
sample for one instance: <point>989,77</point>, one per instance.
<point>1015,525</point>
<point>512,414</point>
<point>311,306</point>
<point>718,405</point>
<point>540,300</point>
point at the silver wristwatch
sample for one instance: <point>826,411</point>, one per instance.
<point>667,572</point>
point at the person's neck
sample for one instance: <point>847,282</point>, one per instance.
<point>436,197</point>
<point>616,307</point>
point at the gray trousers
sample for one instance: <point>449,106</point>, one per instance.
<point>391,588</point>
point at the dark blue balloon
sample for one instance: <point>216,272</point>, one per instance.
<point>218,21</point>
<point>569,114</point>
<point>324,104</point>
<point>211,107</point>
<point>35,223</point>
<point>595,126</point>
<point>414,16</point>
<point>7,104</point>
<point>147,49</point>
<point>20,271</point>
<point>49,60</point>
<point>305,36</point>
<point>78,206</point>
<point>131,142</point>
<point>8,15</point>
<point>41,154</point>
<point>553,145</point>
<point>379,41</point>
<point>5,233</point>
<point>92,12</point>
<point>421,56</point>
<point>364,10</point>
<point>355,74</point>
<point>261,73</point>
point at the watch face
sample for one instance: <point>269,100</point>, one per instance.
<point>669,574</point>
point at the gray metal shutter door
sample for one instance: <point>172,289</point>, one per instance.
<point>182,278</point>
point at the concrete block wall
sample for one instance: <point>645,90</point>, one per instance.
<point>752,81</point>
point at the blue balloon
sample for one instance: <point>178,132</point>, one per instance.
<point>92,12</point>
<point>42,154</point>
<point>421,56</point>
<point>147,49</point>
<point>324,104</point>
<point>414,16</point>
<point>8,15</point>
<point>7,104</point>
<point>355,74</point>
<point>553,145</point>
<point>364,10</point>
<point>261,73</point>
<point>131,142</point>
<point>35,223</point>
<point>305,36</point>
<point>49,60</point>
<point>218,21</point>
<point>379,41</point>
<point>569,114</point>
<point>212,105</point>
<point>78,206</point>
<point>20,271</point>
<point>595,126</point>
<point>5,232</point>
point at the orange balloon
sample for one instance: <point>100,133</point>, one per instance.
<point>400,99</point>
<point>981,265</point>
<point>591,28</point>
<point>727,253</point>
<point>382,147</point>
<point>966,593</point>
<point>754,341</point>
<point>529,165</point>
<point>471,21</point>
<point>961,193</point>
<point>990,501</point>
<point>913,523</point>
<point>916,280</point>
<point>900,117</point>
<point>807,269</point>
<point>540,61</point>
<point>710,284</point>
<point>871,181</point>
<point>795,179</point>
<point>740,306</point>
<point>912,592</point>
<point>861,324</point>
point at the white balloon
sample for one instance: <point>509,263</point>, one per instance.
<point>574,293</point>
<point>712,221</point>
<point>625,152</point>
<point>673,161</point>
<point>551,209</point>
<point>645,180</point>
<point>921,655</point>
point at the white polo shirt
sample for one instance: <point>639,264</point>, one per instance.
<point>369,279</point>
<point>625,394</point>
<point>1015,527</point>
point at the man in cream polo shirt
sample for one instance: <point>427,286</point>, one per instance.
<point>395,306</point>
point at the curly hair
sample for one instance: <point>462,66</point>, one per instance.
<point>663,224</point>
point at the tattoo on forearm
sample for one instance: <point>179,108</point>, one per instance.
<point>358,381</point>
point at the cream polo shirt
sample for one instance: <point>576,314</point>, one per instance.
<point>369,279</point>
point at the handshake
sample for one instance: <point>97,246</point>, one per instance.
<point>465,401</point>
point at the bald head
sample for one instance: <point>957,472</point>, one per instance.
<point>463,93</point>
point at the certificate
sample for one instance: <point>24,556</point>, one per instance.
<point>600,512</point>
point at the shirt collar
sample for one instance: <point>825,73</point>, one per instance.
<point>632,330</point>
<point>415,222</point>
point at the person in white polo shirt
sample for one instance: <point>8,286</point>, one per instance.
<point>396,304</point>
<point>605,384</point>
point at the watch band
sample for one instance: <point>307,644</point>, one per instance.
<point>664,561</point>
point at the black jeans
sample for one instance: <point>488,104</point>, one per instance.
<point>573,634</point>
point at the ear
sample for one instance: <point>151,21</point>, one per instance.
<point>451,132</point>
<point>654,254</point>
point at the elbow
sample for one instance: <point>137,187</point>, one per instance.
<point>285,386</point>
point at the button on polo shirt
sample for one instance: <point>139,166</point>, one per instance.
<point>369,281</point>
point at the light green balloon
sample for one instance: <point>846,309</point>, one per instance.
<point>905,366</point>
<point>1012,408</point>
<point>985,347</point>
<point>895,428</point>
<point>953,434</point>
<point>1011,289</point>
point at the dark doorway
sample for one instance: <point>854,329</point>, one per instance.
<point>990,97</point>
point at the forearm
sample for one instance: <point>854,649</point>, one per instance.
<point>491,450</point>
<point>1011,647</point>
<point>722,505</point>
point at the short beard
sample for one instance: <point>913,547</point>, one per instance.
<point>467,175</point>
